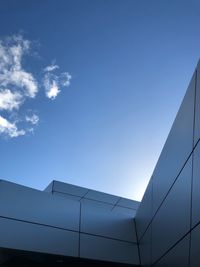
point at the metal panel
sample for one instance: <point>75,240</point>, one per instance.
<point>178,256</point>
<point>144,212</point>
<point>90,205</point>
<point>66,196</point>
<point>69,189</point>
<point>145,248</point>
<point>126,211</point>
<point>195,248</point>
<point>173,218</point>
<point>49,188</point>
<point>196,187</point>
<point>177,148</point>
<point>37,238</point>
<point>197,106</point>
<point>92,194</point>
<point>128,203</point>
<point>104,249</point>
<point>109,224</point>
<point>32,205</point>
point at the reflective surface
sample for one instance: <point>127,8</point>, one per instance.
<point>169,212</point>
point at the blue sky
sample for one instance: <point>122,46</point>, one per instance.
<point>103,126</point>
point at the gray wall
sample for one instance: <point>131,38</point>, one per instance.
<point>62,221</point>
<point>168,218</point>
<point>93,198</point>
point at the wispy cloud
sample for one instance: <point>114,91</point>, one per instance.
<point>53,82</point>
<point>9,129</point>
<point>10,100</point>
<point>17,85</point>
<point>65,79</point>
<point>34,119</point>
<point>52,89</point>
<point>51,68</point>
<point>12,73</point>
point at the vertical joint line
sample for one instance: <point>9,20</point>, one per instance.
<point>192,174</point>
<point>84,195</point>
<point>194,115</point>
<point>116,203</point>
<point>138,247</point>
<point>52,187</point>
<point>79,239</point>
<point>191,209</point>
<point>151,229</point>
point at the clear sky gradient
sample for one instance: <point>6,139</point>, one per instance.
<point>131,62</point>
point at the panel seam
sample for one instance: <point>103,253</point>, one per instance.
<point>69,230</point>
<point>138,247</point>
<point>151,220</point>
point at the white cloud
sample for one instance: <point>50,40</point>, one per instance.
<point>53,83</point>
<point>34,119</point>
<point>51,86</point>
<point>51,67</point>
<point>17,85</point>
<point>52,90</point>
<point>11,71</point>
<point>25,81</point>
<point>11,51</point>
<point>10,100</point>
<point>9,128</point>
<point>65,79</point>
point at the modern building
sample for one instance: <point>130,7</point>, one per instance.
<point>67,225</point>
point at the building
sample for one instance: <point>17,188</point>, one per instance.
<point>70,225</point>
<point>70,222</point>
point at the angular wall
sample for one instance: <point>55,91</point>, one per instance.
<point>67,220</point>
<point>107,230</point>
<point>168,219</point>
